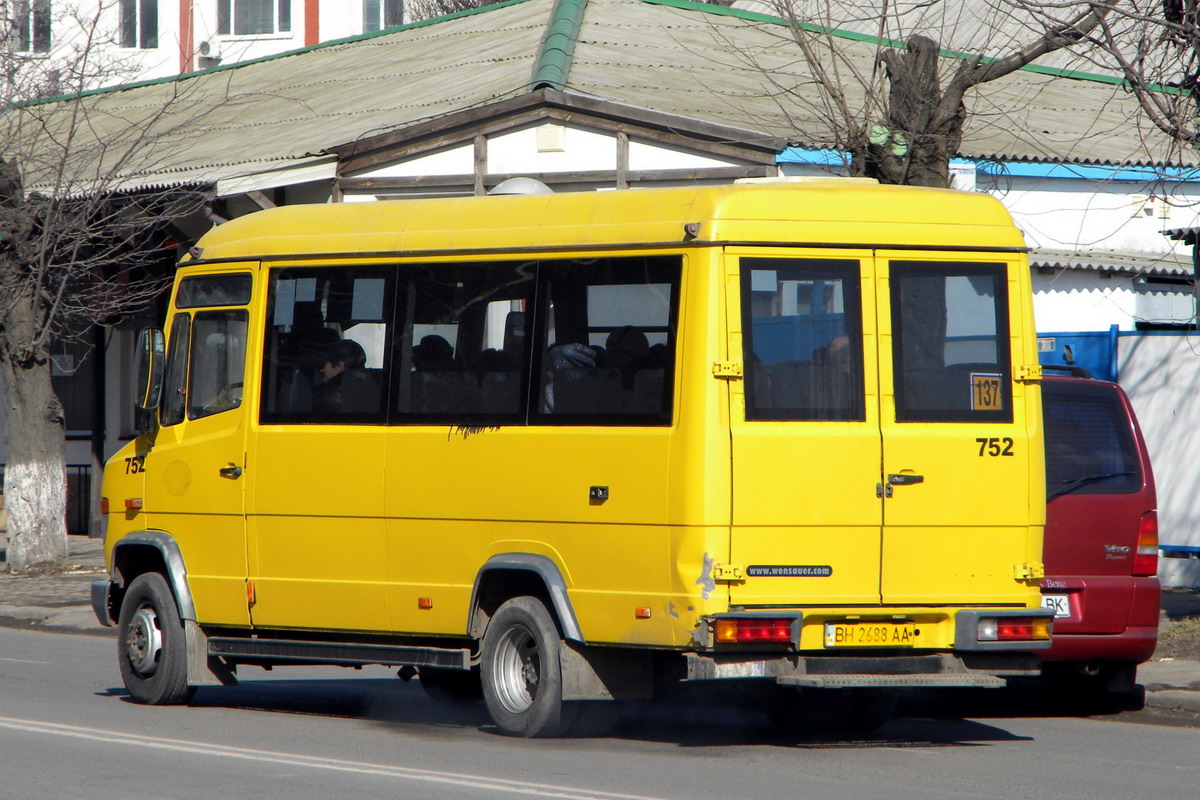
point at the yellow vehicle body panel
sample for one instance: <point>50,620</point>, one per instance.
<point>385,528</point>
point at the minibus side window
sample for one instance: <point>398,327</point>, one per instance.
<point>218,360</point>
<point>950,343</point>
<point>326,340</point>
<point>175,382</point>
<point>462,354</point>
<point>607,340</point>
<point>802,335</point>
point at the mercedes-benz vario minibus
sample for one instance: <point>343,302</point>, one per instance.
<point>564,450</point>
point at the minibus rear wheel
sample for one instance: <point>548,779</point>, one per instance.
<point>522,677</point>
<point>151,647</point>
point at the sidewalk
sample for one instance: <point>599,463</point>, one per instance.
<point>62,603</point>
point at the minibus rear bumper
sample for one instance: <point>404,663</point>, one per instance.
<point>927,670</point>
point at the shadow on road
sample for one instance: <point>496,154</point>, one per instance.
<point>394,704</point>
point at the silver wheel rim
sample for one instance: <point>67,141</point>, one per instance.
<point>518,669</point>
<point>143,642</point>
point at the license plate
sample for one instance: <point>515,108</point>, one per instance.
<point>1060,604</point>
<point>870,634</point>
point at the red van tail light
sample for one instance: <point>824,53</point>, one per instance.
<point>1145,563</point>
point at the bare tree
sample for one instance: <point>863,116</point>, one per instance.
<point>900,117</point>
<point>1155,46</point>
<point>417,10</point>
<point>75,251</point>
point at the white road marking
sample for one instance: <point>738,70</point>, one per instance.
<point>480,782</point>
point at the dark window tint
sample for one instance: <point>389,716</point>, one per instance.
<point>607,342</point>
<point>453,343</point>
<point>950,351</point>
<point>463,355</point>
<point>174,400</point>
<point>327,334</point>
<point>802,335</point>
<point>214,290</point>
<point>1090,448</point>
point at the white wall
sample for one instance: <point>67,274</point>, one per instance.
<point>1161,375</point>
<point>76,22</point>
<point>1077,214</point>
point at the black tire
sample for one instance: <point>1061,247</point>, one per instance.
<point>151,647</point>
<point>453,686</point>
<point>809,713</point>
<point>868,712</point>
<point>521,673</point>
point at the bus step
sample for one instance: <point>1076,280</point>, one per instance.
<point>288,651</point>
<point>943,680</point>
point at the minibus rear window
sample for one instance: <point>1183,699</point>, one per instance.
<point>950,352</point>
<point>802,333</point>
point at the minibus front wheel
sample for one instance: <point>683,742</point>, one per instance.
<point>151,646</point>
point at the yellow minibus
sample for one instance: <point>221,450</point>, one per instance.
<point>563,450</point>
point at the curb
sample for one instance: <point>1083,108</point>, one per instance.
<point>63,619</point>
<point>1174,699</point>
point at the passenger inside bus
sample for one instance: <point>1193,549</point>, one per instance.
<point>345,388</point>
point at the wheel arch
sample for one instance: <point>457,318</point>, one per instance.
<point>151,551</point>
<point>508,575</point>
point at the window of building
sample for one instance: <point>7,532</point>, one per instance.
<point>31,26</point>
<point>253,17</point>
<point>380,14</point>
<point>139,23</point>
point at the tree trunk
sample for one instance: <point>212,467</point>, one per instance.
<point>35,478</point>
<point>923,127</point>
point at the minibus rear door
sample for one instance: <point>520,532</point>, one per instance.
<point>956,442</point>
<point>805,428</point>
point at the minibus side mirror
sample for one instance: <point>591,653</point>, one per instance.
<point>151,358</point>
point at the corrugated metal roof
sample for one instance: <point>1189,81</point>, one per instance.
<point>696,61</point>
<point>1126,263</point>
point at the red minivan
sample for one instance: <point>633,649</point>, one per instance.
<point>1101,547</point>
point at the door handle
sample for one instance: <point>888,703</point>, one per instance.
<point>905,480</point>
<point>231,472</point>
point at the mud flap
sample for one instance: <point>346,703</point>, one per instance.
<point>204,669</point>
<point>595,673</point>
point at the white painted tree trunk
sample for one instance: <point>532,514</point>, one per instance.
<point>35,477</point>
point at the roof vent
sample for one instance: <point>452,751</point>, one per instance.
<point>521,186</point>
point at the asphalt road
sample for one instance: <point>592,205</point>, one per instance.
<point>67,730</point>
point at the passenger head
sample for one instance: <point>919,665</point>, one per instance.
<point>433,354</point>
<point>342,355</point>
<point>626,348</point>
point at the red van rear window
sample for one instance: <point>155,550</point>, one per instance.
<point>1089,442</point>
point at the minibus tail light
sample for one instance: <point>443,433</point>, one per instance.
<point>743,630</point>
<point>1145,562</point>
<point>104,505</point>
<point>1014,629</point>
